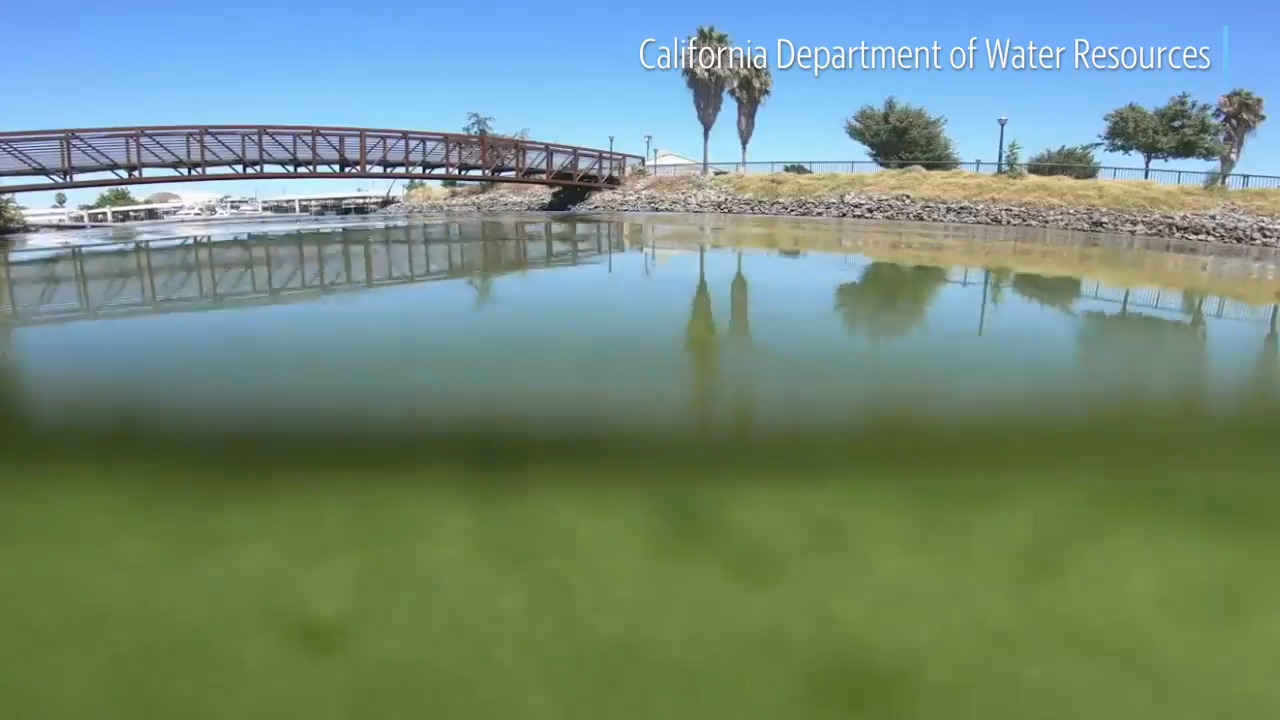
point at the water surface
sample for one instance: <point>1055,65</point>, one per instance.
<point>641,466</point>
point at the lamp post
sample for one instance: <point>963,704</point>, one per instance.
<point>647,139</point>
<point>610,143</point>
<point>1000,153</point>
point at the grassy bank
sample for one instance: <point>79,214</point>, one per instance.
<point>1031,190</point>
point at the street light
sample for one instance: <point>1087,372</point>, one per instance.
<point>647,139</point>
<point>610,143</point>
<point>1000,153</point>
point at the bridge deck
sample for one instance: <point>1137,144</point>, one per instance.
<point>61,159</point>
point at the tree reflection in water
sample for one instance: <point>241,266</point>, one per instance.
<point>998,280</point>
<point>740,341</point>
<point>1059,293</point>
<point>1147,357</point>
<point>1267,371</point>
<point>704,349</point>
<point>889,300</point>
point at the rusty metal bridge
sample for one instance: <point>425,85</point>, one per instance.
<point>101,157</point>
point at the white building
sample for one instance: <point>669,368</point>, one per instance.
<point>52,216</point>
<point>666,162</point>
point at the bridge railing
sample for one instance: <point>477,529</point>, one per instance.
<point>140,155</point>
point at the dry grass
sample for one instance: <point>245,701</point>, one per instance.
<point>1029,191</point>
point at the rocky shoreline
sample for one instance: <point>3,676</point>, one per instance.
<point>1226,224</point>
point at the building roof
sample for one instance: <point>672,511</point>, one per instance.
<point>48,212</point>
<point>132,208</point>
<point>666,157</point>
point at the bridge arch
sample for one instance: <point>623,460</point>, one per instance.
<point>102,157</point>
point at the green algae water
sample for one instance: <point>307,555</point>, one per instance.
<point>639,467</point>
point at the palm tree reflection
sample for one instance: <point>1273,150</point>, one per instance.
<point>740,337</point>
<point>739,295</point>
<point>704,349</point>
<point>1267,372</point>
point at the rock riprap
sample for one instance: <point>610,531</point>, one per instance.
<point>1224,224</point>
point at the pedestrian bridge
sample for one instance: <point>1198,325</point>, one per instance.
<point>102,157</point>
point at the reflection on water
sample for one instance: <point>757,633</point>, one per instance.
<point>561,322</point>
<point>638,467</point>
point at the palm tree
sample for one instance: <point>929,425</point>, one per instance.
<point>749,87</point>
<point>707,81</point>
<point>1240,112</point>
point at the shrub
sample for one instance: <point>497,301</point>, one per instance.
<point>1073,162</point>
<point>1012,160</point>
<point>898,135</point>
<point>10,215</point>
<point>797,168</point>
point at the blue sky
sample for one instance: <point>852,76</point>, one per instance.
<point>574,76</point>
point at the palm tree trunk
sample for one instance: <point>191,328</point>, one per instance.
<point>1227,163</point>
<point>744,158</point>
<point>706,151</point>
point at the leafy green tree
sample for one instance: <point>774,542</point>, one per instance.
<point>414,185</point>
<point>889,300</point>
<point>1181,129</point>
<point>450,183</point>
<point>10,215</point>
<point>1239,113</point>
<point>478,124</point>
<point>60,200</point>
<point>749,87</point>
<point>797,169</point>
<point>114,197</point>
<point>708,82</point>
<point>898,135</point>
<point>1073,162</point>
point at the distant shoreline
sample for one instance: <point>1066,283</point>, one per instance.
<point>1112,207</point>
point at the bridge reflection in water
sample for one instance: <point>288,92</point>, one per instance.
<point>199,273</point>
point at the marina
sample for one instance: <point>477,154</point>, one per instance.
<point>197,207</point>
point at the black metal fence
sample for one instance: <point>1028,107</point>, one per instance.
<point>1161,176</point>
